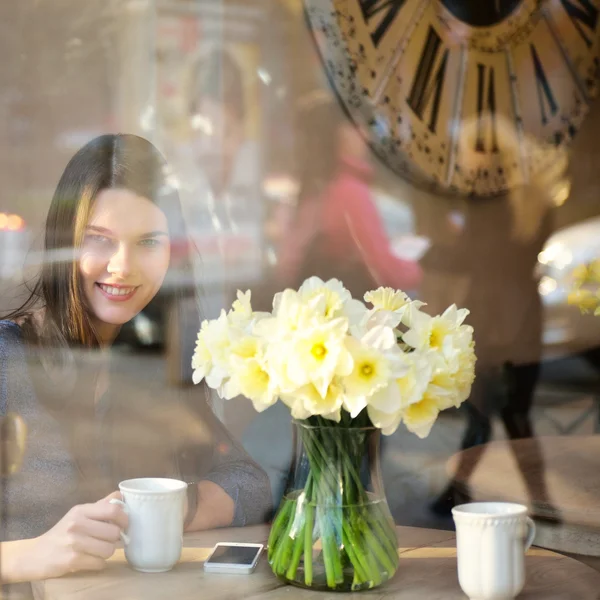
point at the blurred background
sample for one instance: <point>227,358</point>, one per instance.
<point>255,128</point>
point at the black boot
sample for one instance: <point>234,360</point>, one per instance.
<point>479,431</point>
<point>452,496</point>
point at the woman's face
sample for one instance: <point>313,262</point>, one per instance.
<point>124,256</point>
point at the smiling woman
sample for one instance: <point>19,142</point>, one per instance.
<point>117,216</point>
<point>122,262</point>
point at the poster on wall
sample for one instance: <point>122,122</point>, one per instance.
<point>209,123</point>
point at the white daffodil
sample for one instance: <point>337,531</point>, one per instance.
<point>322,352</point>
<point>318,354</point>
<point>465,374</point>
<point>387,406</point>
<point>291,314</point>
<point>211,356</point>
<point>420,416</point>
<point>241,309</point>
<point>372,371</point>
<point>201,360</point>
<point>451,384</point>
<point>307,401</point>
<point>252,380</point>
<point>407,387</point>
<point>387,422</point>
<point>390,308</point>
<point>435,332</point>
<point>334,300</point>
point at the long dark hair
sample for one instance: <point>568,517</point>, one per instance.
<point>107,162</point>
<point>65,383</point>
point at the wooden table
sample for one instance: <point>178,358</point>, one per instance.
<point>571,469</point>
<point>427,572</point>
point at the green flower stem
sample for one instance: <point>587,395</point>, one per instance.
<point>280,523</point>
<point>296,553</point>
<point>299,540</point>
<point>374,574</point>
<point>325,549</point>
<point>308,545</point>
<point>347,467</point>
<point>351,528</point>
<point>356,557</point>
<point>386,535</point>
<point>281,552</point>
<point>372,570</point>
<point>382,555</point>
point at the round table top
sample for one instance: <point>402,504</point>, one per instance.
<point>427,570</point>
<point>513,471</point>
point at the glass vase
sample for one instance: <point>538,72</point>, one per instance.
<point>333,529</point>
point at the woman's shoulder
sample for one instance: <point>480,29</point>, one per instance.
<point>10,334</point>
<point>13,369</point>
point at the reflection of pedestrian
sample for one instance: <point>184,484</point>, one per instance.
<point>220,185</point>
<point>337,231</point>
<point>497,252</point>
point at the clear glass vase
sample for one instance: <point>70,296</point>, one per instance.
<point>333,529</point>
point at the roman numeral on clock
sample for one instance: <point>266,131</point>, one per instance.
<point>426,91</point>
<point>584,16</point>
<point>486,107</point>
<point>545,95</point>
<point>372,8</point>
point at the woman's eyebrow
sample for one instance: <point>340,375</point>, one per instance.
<point>99,229</point>
<point>155,233</point>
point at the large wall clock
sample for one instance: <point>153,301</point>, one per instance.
<point>472,96</point>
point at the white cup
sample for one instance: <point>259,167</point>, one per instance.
<point>491,541</point>
<point>154,537</point>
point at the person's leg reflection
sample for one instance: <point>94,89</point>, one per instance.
<point>477,434</point>
<point>521,383</point>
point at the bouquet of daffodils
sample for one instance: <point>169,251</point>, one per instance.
<point>344,369</point>
<point>586,288</point>
<point>324,354</point>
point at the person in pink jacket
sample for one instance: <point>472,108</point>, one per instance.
<point>337,230</point>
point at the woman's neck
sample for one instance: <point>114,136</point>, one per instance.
<point>107,333</point>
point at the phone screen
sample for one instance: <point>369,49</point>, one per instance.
<point>234,555</point>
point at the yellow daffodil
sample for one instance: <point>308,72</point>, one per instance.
<point>386,407</point>
<point>211,358</point>
<point>580,274</point>
<point>386,298</point>
<point>387,422</point>
<point>322,352</point>
<point>371,372</point>
<point>584,299</point>
<point>307,401</point>
<point>254,382</point>
<point>390,307</point>
<point>333,299</point>
<point>242,307</point>
<point>420,416</point>
<point>318,354</point>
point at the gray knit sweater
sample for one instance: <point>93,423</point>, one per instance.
<point>51,481</point>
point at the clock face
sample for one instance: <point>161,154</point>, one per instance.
<point>478,13</point>
<point>471,96</point>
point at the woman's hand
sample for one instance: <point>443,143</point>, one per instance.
<point>81,541</point>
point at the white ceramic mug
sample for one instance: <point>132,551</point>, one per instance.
<point>491,541</point>
<point>154,537</point>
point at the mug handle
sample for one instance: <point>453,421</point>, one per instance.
<point>530,533</point>
<point>124,537</point>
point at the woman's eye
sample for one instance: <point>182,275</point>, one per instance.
<point>98,239</point>
<point>150,243</point>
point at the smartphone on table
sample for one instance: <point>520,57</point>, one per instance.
<point>229,557</point>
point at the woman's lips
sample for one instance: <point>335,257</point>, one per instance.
<point>120,293</point>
